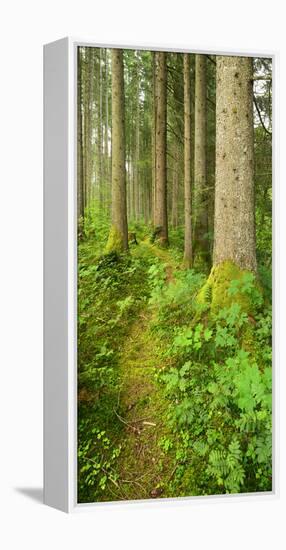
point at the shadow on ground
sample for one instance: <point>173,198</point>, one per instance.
<point>34,493</point>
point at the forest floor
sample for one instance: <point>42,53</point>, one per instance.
<point>144,469</point>
<point>154,420</point>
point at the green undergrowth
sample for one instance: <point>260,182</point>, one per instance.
<point>174,373</point>
<point>113,293</point>
<point>218,386</point>
<point>112,289</point>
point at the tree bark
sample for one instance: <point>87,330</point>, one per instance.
<point>161,219</point>
<point>234,230</point>
<point>201,248</point>
<point>188,253</point>
<point>118,237</point>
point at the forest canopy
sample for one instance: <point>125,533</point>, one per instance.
<point>174,197</point>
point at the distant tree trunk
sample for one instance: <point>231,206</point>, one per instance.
<point>87,124</point>
<point>201,246</point>
<point>154,137</point>
<point>175,188</point>
<point>99,133</point>
<point>80,181</point>
<point>118,237</point>
<point>188,253</point>
<point>106,130</point>
<point>234,230</point>
<point>161,219</point>
<point>92,165</point>
<point>137,146</point>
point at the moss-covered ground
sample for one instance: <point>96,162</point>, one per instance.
<point>130,398</point>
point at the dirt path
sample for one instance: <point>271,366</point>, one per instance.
<point>144,468</point>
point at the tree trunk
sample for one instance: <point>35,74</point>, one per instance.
<point>175,187</point>
<point>99,134</point>
<point>137,146</point>
<point>154,138</point>
<point>118,237</point>
<point>87,124</point>
<point>188,253</point>
<point>201,247</point>
<point>80,181</point>
<point>106,136</point>
<point>234,230</point>
<point>161,219</point>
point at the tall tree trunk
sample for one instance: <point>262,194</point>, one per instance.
<point>80,181</point>
<point>154,138</point>
<point>161,219</point>
<point>118,237</point>
<point>106,136</point>
<point>188,253</point>
<point>175,189</point>
<point>137,146</point>
<point>234,230</point>
<point>201,247</point>
<point>87,124</point>
<point>99,134</point>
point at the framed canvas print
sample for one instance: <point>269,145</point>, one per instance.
<point>158,274</point>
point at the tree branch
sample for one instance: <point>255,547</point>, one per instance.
<point>260,117</point>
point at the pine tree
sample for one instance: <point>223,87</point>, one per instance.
<point>161,218</point>
<point>187,162</point>
<point>234,230</point>
<point>118,236</point>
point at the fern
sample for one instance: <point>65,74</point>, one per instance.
<point>208,293</point>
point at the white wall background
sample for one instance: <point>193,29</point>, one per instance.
<point>25,27</point>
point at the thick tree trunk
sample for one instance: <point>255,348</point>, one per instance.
<point>188,253</point>
<point>234,230</point>
<point>118,237</point>
<point>161,219</point>
<point>201,247</point>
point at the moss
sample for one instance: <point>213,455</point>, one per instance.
<point>248,339</point>
<point>215,291</point>
<point>115,241</point>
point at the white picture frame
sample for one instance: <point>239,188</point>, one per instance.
<point>60,276</point>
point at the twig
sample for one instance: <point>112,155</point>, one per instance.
<point>149,423</point>
<point>135,483</point>
<point>260,117</point>
<point>135,421</point>
<point>122,419</point>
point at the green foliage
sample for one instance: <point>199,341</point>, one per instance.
<point>216,378</point>
<point>219,393</point>
<point>177,300</point>
<point>111,290</point>
<point>96,458</point>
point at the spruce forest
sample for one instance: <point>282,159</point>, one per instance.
<point>174,193</point>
